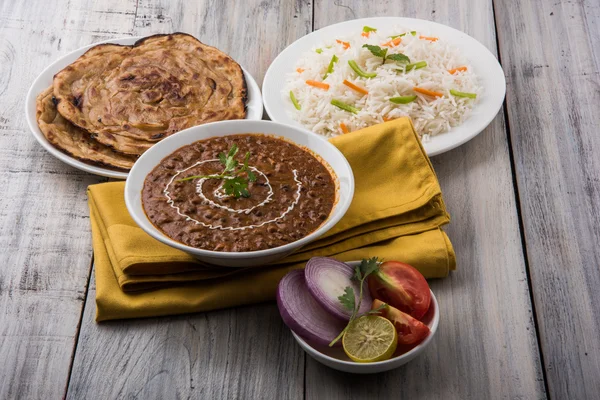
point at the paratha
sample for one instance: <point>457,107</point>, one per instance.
<point>73,140</point>
<point>150,90</point>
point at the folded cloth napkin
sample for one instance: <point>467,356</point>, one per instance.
<point>396,213</point>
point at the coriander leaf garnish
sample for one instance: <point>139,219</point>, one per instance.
<point>234,184</point>
<point>230,162</point>
<point>369,266</point>
<point>236,187</point>
<point>376,50</point>
<point>366,267</point>
<point>379,52</point>
<point>377,311</point>
<point>361,272</point>
<point>399,57</point>
<point>348,299</point>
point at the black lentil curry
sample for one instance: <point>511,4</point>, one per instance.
<point>289,192</point>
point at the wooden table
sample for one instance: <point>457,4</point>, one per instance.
<point>520,315</point>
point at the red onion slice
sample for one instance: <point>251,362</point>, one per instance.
<point>303,314</point>
<point>327,278</point>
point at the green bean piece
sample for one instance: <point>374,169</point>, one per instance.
<point>463,94</point>
<point>294,101</point>
<point>403,34</point>
<point>417,65</point>
<point>344,106</point>
<point>359,71</point>
<point>334,59</point>
<point>403,99</point>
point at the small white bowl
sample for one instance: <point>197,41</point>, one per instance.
<point>150,159</point>
<point>336,358</point>
<point>254,106</point>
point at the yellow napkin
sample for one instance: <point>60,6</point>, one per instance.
<point>396,213</point>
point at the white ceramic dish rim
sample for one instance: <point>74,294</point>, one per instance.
<point>432,328</point>
<point>485,63</point>
<point>245,126</point>
<point>254,105</point>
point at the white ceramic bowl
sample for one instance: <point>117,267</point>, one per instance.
<point>302,137</point>
<point>254,106</point>
<point>336,358</point>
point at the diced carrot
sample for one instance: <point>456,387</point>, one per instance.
<point>344,128</point>
<point>345,44</point>
<point>300,70</point>
<point>355,87</point>
<point>455,70</point>
<point>430,38</point>
<point>428,92</point>
<point>365,34</point>
<point>320,85</point>
<point>393,42</point>
<point>386,119</point>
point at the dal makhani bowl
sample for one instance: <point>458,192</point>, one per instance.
<point>239,193</point>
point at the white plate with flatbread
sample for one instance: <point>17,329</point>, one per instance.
<point>254,107</point>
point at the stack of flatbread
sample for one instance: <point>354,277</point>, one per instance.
<point>114,102</point>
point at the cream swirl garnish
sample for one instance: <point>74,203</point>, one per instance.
<point>219,194</point>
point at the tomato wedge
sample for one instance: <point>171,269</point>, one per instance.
<point>410,330</point>
<point>401,286</point>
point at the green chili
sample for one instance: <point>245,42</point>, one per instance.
<point>344,106</point>
<point>294,100</point>
<point>417,65</point>
<point>403,99</point>
<point>359,71</point>
<point>403,34</point>
<point>334,59</point>
<point>319,51</point>
<point>463,94</point>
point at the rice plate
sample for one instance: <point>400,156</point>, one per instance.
<point>434,67</point>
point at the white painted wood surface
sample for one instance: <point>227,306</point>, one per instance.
<point>45,242</point>
<point>487,344</point>
<point>551,55</point>
<point>244,353</point>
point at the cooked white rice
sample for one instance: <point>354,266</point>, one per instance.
<point>430,115</point>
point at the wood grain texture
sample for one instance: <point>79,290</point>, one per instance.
<point>243,353</point>
<point>45,246</point>
<point>551,55</point>
<point>252,32</point>
<point>486,345</point>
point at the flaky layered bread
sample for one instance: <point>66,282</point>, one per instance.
<point>74,140</point>
<point>129,97</point>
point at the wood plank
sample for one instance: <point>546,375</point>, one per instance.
<point>486,344</point>
<point>241,353</point>
<point>44,228</point>
<point>229,354</point>
<point>551,56</point>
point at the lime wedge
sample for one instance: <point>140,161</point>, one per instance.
<point>370,338</point>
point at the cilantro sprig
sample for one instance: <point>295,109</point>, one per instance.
<point>234,183</point>
<point>348,299</point>
<point>379,52</point>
